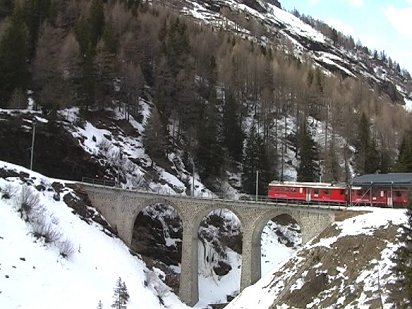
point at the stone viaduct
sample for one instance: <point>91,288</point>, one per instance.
<point>121,207</point>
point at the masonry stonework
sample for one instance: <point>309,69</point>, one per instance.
<point>121,207</point>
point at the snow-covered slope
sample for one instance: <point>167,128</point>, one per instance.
<point>52,258</point>
<point>286,32</point>
<point>348,265</point>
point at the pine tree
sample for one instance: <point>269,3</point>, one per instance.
<point>308,169</point>
<point>155,140</point>
<point>373,158</point>
<point>36,12</point>
<point>250,162</point>
<point>402,293</point>
<point>404,161</point>
<point>120,296</point>
<point>209,153</point>
<point>96,21</point>
<point>367,156</point>
<point>6,7</point>
<point>99,305</point>
<point>332,170</point>
<point>14,73</point>
<point>255,161</point>
<point>232,130</point>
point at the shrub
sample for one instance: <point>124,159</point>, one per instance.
<point>29,203</point>
<point>104,145</point>
<point>66,248</point>
<point>46,230</point>
<point>8,191</point>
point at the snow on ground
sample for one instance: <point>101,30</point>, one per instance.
<point>273,250</point>
<point>213,289</point>
<point>408,105</point>
<point>34,274</point>
<point>364,224</point>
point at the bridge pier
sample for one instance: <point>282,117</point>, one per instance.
<point>189,283</point>
<point>251,252</point>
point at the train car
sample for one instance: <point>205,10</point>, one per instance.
<point>380,190</point>
<point>362,196</point>
<point>400,198</point>
<point>307,192</point>
<point>383,190</point>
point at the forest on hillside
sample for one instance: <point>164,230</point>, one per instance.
<point>223,100</point>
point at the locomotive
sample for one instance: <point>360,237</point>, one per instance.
<point>382,190</point>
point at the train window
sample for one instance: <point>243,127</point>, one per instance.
<point>316,191</point>
<point>300,190</point>
<point>398,193</point>
<point>326,192</point>
<point>343,192</point>
<point>382,193</point>
<point>293,189</point>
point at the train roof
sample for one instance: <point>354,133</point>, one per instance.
<point>391,179</point>
<point>320,185</point>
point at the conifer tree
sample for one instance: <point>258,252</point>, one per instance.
<point>232,130</point>
<point>6,7</point>
<point>255,161</point>
<point>366,153</point>
<point>402,293</point>
<point>99,305</point>
<point>121,295</point>
<point>36,11</point>
<point>308,169</point>
<point>209,152</point>
<point>404,161</point>
<point>332,169</point>
<point>96,21</point>
<point>14,73</point>
<point>155,140</point>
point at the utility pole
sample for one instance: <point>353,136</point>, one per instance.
<point>193,178</point>
<point>283,159</point>
<point>32,145</point>
<point>257,184</point>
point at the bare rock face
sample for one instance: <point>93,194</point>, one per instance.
<point>275,3</point>
<point>56,153</point>
<point>153,233</point>
<point>222,268</point>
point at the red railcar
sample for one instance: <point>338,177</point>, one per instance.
<point>309,192</point>
<point>380,196</point>
<point>331,194</point>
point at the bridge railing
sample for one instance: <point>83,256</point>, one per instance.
<point>100,182</point>
<point>244,198</point>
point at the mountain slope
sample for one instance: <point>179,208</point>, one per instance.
<point>348,265</point>
<point>286,32</point>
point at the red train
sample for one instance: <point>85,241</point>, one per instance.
<point>330,194</point>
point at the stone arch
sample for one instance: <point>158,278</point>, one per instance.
<point>268,215</point>
<point>152,201</point>
<point>157,234</point>
<point>213,263</point>
<point>256,234</point>
<point>280,237</point>
<point>200,214</point>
